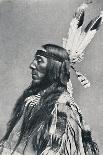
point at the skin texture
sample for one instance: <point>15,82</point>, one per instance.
<point>38,67</point>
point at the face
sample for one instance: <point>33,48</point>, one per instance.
<point>38,67</point>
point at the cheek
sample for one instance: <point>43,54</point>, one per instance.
<point>41,71</point>
<point>42,68</point>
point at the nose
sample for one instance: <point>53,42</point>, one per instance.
<point>33,65</point>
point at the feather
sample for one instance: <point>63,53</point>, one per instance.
<point>69,88</point>
<point>32,100</point>
<point>75,26</point>
<point>88,1</point>
<point>64,42</point>
<point>82,79</point>
<point>81,19</point>
<point>86,41</point>
<point>85,37</point>
<point>77,41</point>
<point>89,32</point>
<point>54,121</point>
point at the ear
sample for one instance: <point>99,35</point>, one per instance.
<point>65,72</point>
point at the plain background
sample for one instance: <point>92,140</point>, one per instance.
<point>27,24</point>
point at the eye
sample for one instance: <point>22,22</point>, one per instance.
<point>38,59</point>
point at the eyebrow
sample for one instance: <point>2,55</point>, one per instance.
<point>49,55</point>
<point>38,56</point>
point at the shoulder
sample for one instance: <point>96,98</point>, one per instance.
<point>66,102</point>
<point>64,97</point>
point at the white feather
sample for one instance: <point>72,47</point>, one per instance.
<point>77,40</point>
<point>64,42</point>
<point>77,36</point>
<point>54,121</point>
<point>71,34</point>
<point>89,36</point>
<point>73,30</point>
<point>83,80</point>
<point>69,87</point>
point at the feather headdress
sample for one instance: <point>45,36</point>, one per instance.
<point>78,39</point>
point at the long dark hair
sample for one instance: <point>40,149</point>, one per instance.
<point>54,83</point>
<point>57,70</point>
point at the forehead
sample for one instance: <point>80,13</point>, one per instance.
<point>37,57</point>
<point>49,55</point>
<point>41,53</point>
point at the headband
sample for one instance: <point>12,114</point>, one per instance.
<point>46,54</point>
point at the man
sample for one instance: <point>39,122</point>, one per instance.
<point>46,118</point>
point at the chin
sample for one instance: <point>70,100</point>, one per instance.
<point>34,82</point>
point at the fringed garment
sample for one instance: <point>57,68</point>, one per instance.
<point>57,126</point>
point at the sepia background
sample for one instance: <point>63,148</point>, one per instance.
<point>27,24</point>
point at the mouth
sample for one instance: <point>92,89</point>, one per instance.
<point>33,72</point>
<point>34,75</point>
